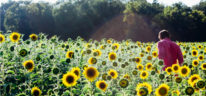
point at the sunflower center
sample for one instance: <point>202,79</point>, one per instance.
<point>201,57</point>
<point>29,65</point>
<point>163,91</point>
<point>33,37</point>
<point>137,60</point>
<point>195,63</point>
<point>90,73</point>
<point>194,78</point>
<point>23,53</point>
<point>76,72</point>
<point>114,47</point>
<point>169,70</point>
<point>184,71</point>
<point>189,90</point>
<point>148,49</point>
<point>142,92</point>
<point>143,74</point>
<point>70,54</point>
<point>194,53</point>
<point>70,79</point>
<point>112,56</point>
<point>112,74</point>
<point>15,37</point>
<point>102,85</point>
<point>204,66</point>
<point>155,54</point>
<point>1,39</point>
<point>94,60</point>
<point>123,83</point>
<point>36,93</point>
<point>149,58</point>
<point>175,68</point>
<point>149,66</point>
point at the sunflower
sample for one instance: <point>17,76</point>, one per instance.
<point>144,74</point>
<point>69,79</point>
<point>113,73</point>
<point>200,46</point>
<point>88,51</point>
<point>134,72</point>
<point>195,63</point>
<point>148,48</point>
<point>197,90</point>
<point>109,41</point>
<point>194,53</point>
<point>169,70</point>
<point>85,66</point>
<point>143,85</point>
<point>23,52</point>
<point>162,90</point>
<point>115,64</point>
<point>149,57</point>
<point>76,71</point>
<point>178,79</point>
<point>142,92</point>
<point>184,71</point>
<point>29,65</point>
<point>55,70</point>
<point>102,47</point>
<point>2,38</point>
<point>154,54</point>
<point>92,60</point>
<point>175,68</point>
<point>201,57</point>
<point>91,73</point>
<point>175,93</point>
<point>101,85</point>
<point>104,76</point>
<point>138,60</point>
<point>115,46</point>
<point>126,76</point>
<point>15,36</point>
<point>35,91</point>
<point>33,37</point>
<point>203,66</point>
<point>193,79</point>
<point>112,56</point>
<point>70,54</point>
<point>138,43</point>
<point>200,84</point>
<point>109,77</point>
<point>97,52</point>
<point>205,50</point>
<point>141,54</point>
<point>140,67</point>
<point>123,83</point>
<point>189,91</point>
<point>88,45</point>
<point>149,66</point>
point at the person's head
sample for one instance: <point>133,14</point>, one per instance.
<point>163,34</point>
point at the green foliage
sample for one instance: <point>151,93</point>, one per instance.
<point>71,19</point>
<point>83,17</point>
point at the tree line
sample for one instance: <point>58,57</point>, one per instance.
<point>81,17</point>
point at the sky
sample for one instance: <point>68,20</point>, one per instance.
<point>165,2</point>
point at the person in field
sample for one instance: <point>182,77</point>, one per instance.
<point>168,50</point>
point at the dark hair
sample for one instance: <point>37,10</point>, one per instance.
<point>164,34</point>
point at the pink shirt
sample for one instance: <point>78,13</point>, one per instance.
<point>170,52</point>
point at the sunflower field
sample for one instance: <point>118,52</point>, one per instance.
<point>51,67</point>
